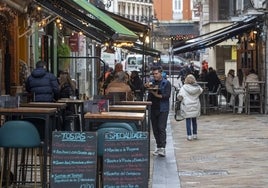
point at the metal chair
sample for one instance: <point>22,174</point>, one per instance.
<point>15,135</point>
<point>215,95</point>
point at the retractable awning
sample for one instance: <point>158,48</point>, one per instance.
<point>93,22</point>
<point>130,24</point>
<point>140,49</point>
<point>211,39</point>
<point>137,28</point>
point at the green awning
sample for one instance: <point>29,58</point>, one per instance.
<point>121,32</point>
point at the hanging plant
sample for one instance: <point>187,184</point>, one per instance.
<point>64,51</point>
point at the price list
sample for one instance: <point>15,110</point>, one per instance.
<point>126,160</point>
<point>74,160</point>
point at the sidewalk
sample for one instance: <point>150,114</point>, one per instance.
<point>231,151</point>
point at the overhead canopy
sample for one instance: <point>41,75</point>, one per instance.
<point>137,28</point>
<point>176,29</point>
<point>93,22</point>
<point>140,49</point>
<point>211,39</point>
<point>130,24</point>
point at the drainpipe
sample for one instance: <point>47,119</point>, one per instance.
<point>265,30</point>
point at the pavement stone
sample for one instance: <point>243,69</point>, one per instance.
<point>231,151</point>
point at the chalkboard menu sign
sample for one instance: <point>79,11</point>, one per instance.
<point>74,160</point>
<point>126,160</point>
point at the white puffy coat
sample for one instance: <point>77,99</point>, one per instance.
<point>190,103</point>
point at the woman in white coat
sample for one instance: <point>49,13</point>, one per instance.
<point>190,104</point>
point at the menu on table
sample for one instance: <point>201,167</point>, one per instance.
<point>126,160</point>
<point>74,160</point>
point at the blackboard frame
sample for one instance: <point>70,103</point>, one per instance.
<point>74,160</point>
<point>126,160</point>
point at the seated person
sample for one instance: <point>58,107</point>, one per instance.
<point>136,85</point>
<point>230,86</point>
<point>253,77</point>
<point>119,84</point>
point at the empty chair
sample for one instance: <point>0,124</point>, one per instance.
<point>39,123</point>
<point>213,101</point>
<point>17,134</point>
<point>129,126</point>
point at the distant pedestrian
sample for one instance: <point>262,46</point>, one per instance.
<point>190,105</point>
<point>159,109</point>
<point>42,85</point>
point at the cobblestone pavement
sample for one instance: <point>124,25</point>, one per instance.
<point>231,151</point>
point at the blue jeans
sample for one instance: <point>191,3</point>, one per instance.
<point>189,123</point>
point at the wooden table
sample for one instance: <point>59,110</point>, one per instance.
<point>78,104</point>
<point>147,103</point>
<point>60,109</point>
<point>130,108</point>
<point>49,114</point>
<point>134,117</point>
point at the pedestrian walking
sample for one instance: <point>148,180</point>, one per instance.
<point>159,93</point>
<point>190,105</point>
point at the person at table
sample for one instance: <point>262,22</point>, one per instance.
<point>190,105</point>
<point>119,85</point>
<point>213,82</point>
<point>230,86</point>
<point>159,109</point>
<point>253,77</point>
<point>239,89</point>
<point>117,68</point>
<point>42,84</point>
<point>136,85</point>
<point>66,85</point>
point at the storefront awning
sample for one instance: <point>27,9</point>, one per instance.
<point>140,49</point>
<point>215,37</point>
<point>130,24</point>
<point>85,16</point>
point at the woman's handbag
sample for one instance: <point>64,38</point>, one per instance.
<point>178,116</point>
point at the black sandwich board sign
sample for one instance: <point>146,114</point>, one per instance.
<point>74,160</point>
<point>126,160</point>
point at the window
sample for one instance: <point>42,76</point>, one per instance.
<point>177,5</point>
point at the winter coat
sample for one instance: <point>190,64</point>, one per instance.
<point>66,90</point>
<point>43,85</point>
<point>229,84</point>
<point>190,103</point>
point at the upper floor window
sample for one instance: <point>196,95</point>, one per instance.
<point>177,5</point>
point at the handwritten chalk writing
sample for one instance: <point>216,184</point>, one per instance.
<point>126,135</point>
<point>72,162</point>
<point>65,152</point>
<point>74,159</point>
<point>72,137</point>
<point>87,186</point>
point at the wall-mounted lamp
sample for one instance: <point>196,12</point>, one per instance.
<point>251,42</point>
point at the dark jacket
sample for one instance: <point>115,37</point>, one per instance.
<point>43,85</point>
<point>165,90</point>
<point>66,91</point>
